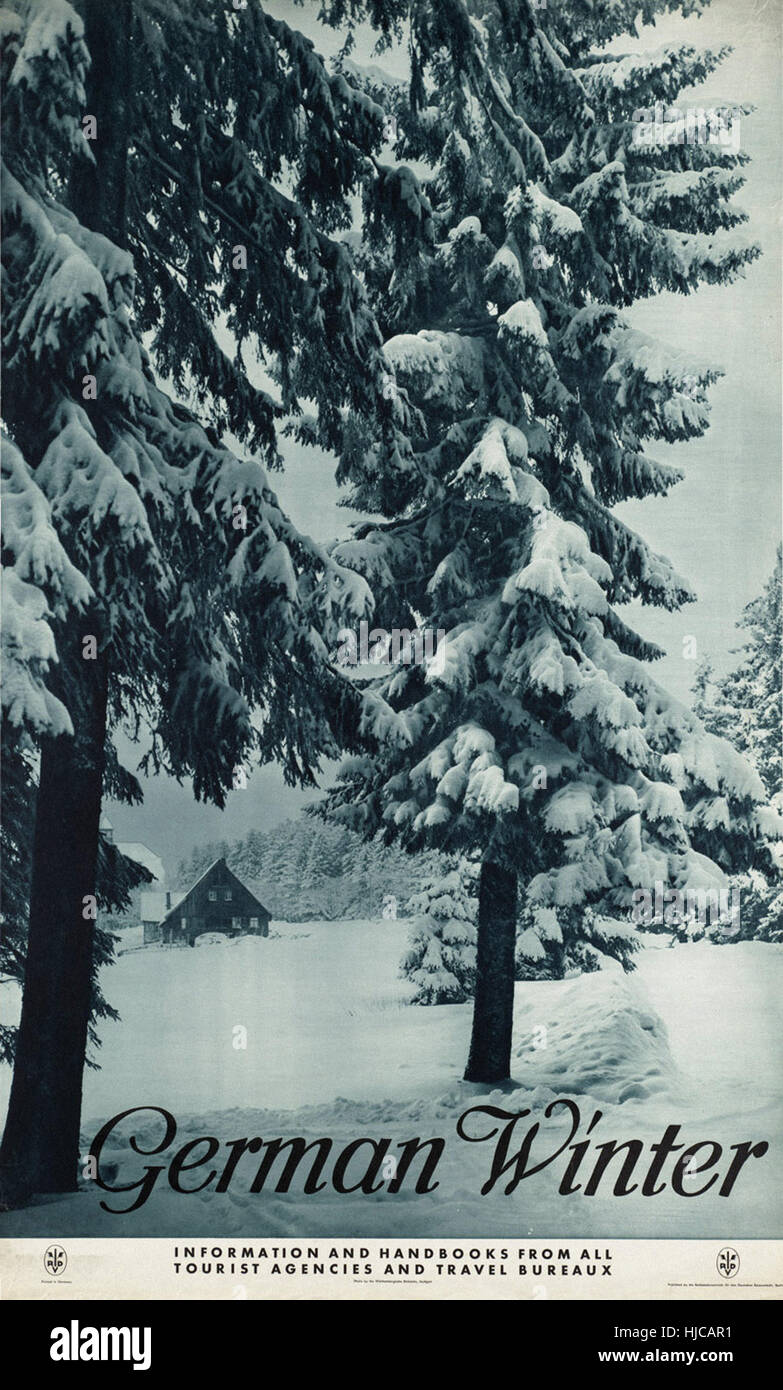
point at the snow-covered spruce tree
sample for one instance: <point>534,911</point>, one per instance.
<point>746,706</point>
<point>717,716</point>
<point>552,943</point>
<point>320,870</point>
<point>441,958</point>
<point>539,952</point>
<point>197,167</point>
<point>760,909</point>
<point>541,738</point>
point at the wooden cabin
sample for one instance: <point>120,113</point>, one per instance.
<point>217,902</point>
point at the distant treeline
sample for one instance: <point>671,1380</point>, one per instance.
<point>305,869</point>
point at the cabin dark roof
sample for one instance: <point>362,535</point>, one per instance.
<point>179,909</point>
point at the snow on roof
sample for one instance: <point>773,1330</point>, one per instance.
<point>153,905</point>
<point>139,852</point>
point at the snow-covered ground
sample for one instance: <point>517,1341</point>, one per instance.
<point>309,1033</point>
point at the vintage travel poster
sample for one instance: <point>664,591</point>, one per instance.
<point>392,800</point>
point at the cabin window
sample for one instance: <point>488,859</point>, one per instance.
<point>212,895</point>
<point>254,924</point>
<point>227,895</point>
<point>183,921</point>
<point>236,923</point>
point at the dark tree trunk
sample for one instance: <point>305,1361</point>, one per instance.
<point>40,1148</point>
<point>493,1009</point>
<point>99,191</point>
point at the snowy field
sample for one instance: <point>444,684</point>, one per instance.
<point>309,1033</point>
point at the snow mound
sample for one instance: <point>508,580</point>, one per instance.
<point>598,1036</point>
<point>129,939</point>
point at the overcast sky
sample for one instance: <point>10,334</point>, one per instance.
<point>720,526</point>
